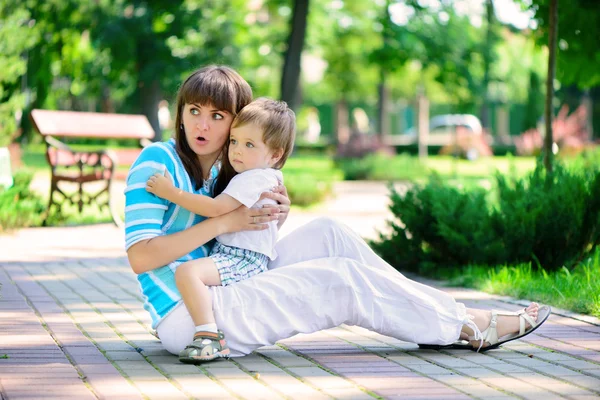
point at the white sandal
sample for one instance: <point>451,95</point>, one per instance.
<point>490,335</point>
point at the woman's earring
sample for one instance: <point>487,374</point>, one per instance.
<point>181,127</point>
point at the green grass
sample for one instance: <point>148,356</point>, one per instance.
<point>309,179</point>
<point>577,289</point>
<point>405,167</point>
<point>482,168</point>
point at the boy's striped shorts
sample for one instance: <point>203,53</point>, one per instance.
<point>235,264</point>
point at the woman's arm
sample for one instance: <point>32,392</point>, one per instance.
<point>199,204</point>
<point>156,252</point>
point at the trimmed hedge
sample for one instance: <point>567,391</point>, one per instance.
<point>550,220</point>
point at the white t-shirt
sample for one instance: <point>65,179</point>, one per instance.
<point>247,188</point>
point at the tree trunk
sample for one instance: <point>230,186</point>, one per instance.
<point>341,122</point>
<point>383,123</point>
<point>552,35</point>
<point>485,106</point>
<point>106,104</point>
<point>291,65</point>
<point>150,96</point>
<point>422,123</point>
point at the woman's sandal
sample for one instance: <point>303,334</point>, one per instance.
<point>207,346</point>
<point>490,335</point>
<point>458,345</point>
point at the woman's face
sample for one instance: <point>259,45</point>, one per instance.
<point>206,129</point>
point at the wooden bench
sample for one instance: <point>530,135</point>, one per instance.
<point>83,167</point>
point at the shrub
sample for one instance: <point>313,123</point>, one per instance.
<point>19,206</point>
<point>309,180</point>
<point>550,220</point>
<point>306,189</point>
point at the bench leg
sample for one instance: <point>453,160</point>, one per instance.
<point>80,202</point>
<point>50,201</point>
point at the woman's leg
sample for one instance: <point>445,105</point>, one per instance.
<point>355,288</point>
<point>326,237</point>
<point>321,294</point>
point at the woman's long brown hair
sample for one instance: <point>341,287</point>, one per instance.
<point>221,87</point>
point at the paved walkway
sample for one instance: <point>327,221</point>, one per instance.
<point>72,326</point>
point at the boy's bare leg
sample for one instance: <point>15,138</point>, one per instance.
<point>192,279</point>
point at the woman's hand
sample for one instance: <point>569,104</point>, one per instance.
<point>280,195</point>
<point>248,219</point>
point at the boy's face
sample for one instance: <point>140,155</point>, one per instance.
<point>247,150</point>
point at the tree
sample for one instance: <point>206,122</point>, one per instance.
<point>60,61</point>
<point>17,36</point>
<point>291,67</point>
<point>346,46</point>
<point>577,39</point>
<point>154,43</point>
<point>533,111</point>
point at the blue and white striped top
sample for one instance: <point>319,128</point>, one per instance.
<point>148,216</point>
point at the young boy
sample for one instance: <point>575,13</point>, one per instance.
<point>261,139</point>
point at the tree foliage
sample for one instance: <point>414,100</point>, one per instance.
<point>578,33</point>
<point>127,55</point>
<point>17,36</point>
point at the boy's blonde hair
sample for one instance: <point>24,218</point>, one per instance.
<point>277,121</point>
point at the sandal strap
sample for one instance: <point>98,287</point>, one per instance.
<point>216,340</point>
<point>209,335</point>
<point>490,335</point>
<point>523,319</point>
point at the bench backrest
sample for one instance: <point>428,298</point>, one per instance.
<point>91,125</point>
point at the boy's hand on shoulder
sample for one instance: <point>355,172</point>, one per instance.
<point>161,186</point>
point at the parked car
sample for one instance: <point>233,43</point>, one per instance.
<point>456,134</point>
<point>443,128</point>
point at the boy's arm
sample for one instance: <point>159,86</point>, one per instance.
<point>199,204</point>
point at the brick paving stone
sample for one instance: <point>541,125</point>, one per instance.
<point>286,359</point>
<point>159,388</point>
<point>348,393</point>
<point>258,365</point>
<point>110,386</point>
<point>202,387</point>
<point>227,373</point>
<point>430,369</point>
<point>578,364</point>
<point>587,382</point>
<point>290,386</point>
<point>423,392</point>
<point>481,390</point>
<point>128,355</point>
<point>138,370</point>
<point>249,387</point>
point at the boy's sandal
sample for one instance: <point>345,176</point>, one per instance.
<point>490,335</point>
<point>207,346</point>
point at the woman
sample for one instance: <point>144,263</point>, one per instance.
<point>325,274</point>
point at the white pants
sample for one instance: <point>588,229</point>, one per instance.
<point>325,276</point>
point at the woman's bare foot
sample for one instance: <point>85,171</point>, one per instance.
<point>505,324</point>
